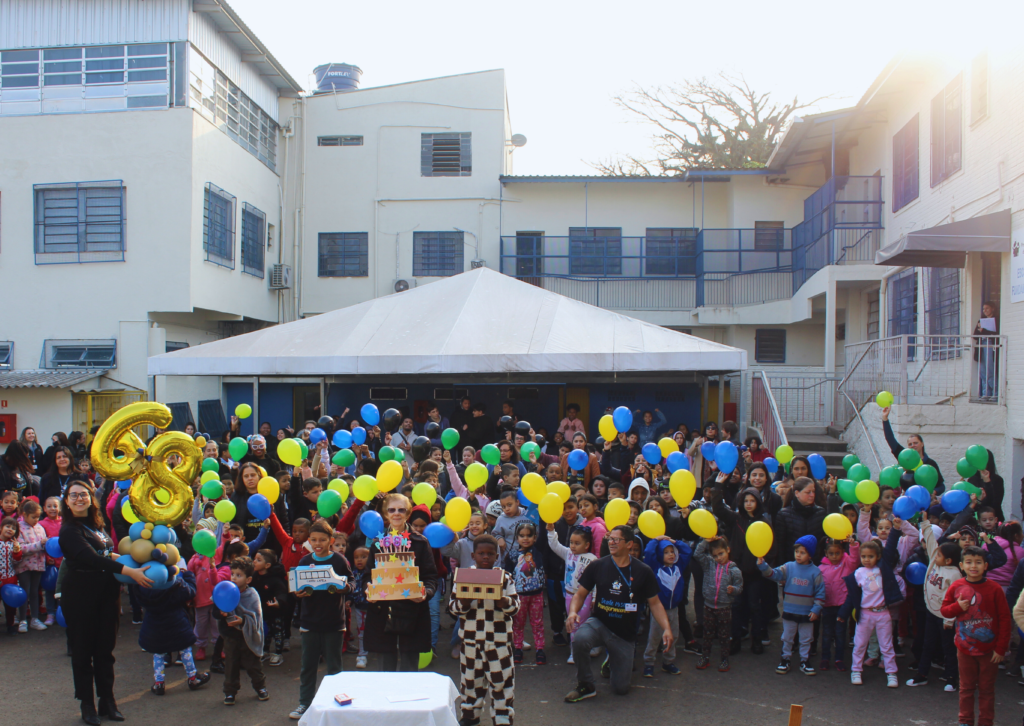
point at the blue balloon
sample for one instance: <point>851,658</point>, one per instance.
<point>53,548</point>
<point>369,414</point>
<point>161,535</point>
<point>135,531</point>
<point>955,500</point>
<point>622,417</point>
<point>123,485</point>
<point>316,436</point>
<point>771,465</point>
<point>726,456</point>
<point>342,439</point>
<point>60,617</point>
<point>371,524</point>
<point>13,596</point>
<point>578,459</point>
<point>127,561</point>
<point>916,572</point>
<point>707,450</point>
<point>258,506</point>
<point>651,453</point>
<point>522,499</point>
<point>819,467</point>
<point>920,496</point>
<point>160,575</point>
<point>49,579</point>
<point>905,507</point>
<point>173,536</point>
<point>677,460</point>
<point>438,535</point>
<point>226,596</point>
<point>358,436</point>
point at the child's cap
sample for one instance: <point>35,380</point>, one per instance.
<point>420,511</point>
<point>494,509</point>
<point>209,523</point>
<point>809,542</point>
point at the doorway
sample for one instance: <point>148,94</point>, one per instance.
<point>305,400</point>
<point>530,257</point>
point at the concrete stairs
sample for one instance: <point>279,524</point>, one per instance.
<point>810,440</point>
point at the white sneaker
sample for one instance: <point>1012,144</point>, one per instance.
<point>855,678</point>
<point>526,646</point>
<point>276,659</point>
<point>570,661</point>
<point>36,624</point>
<point>892,681</point>
<point>23,626</point>
<point>949,688</point>
<point>49,620</point>
<point>360,661</point>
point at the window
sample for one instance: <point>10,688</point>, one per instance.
<point>389,394</point>
<point>59,354</point>
<point>595,250</point>
<point>219,226</point>
<point>942,301</point>
<point>19,69</point>
<point>523,393</point>
<point>437,254</point>
<point>873,315</point>
<point>991,277</point>
<point>769,236</point>
<point>671,251</point>
<point>79,222</point>
<point>769,346</point>
<point>446,155</point>
<point>450,394</point>
<point>979,88</point>
<point>181,414</point>
<point>905,165</point>
<point>530,256</point>
<point>211,418</point>
<point>6,354</point>
<point>902,294</point>
<point>946,131</point>
<point>339,140</point>
<point>254,225</point>
<point>343,254</point>
<point>171,346</point>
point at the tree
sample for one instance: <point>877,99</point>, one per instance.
<point>702,124</point>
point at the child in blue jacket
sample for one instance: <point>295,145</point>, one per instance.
<point>668,558</point>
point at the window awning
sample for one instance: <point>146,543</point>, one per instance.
<point>948,244</point>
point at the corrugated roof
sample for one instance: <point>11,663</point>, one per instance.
<point>690,175</point>
<point>45,379</point>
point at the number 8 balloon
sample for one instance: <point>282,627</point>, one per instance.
<point>147,465</point>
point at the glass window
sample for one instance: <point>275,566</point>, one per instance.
<point>65,67</point>
<point>437,254</point>
<point>91,78</point>
<point>769,346</point>
<point>79,222</point>
<point>62,53</point>
<point>342,254</point>
<point>595,250</point>
<point>446,155</point>
<point>105,51</point>
<point>905,165</point>
<point>135,76</point>
<point>14,56</point>
<point>219,226</point>
<point>254,226</point>
<point>148,49</point>
<point>160,62</point>
<point>902,293</point>
<point>947,120</point>
<point>671,251</point>
<point>942,306</point>
<point>108,64</point>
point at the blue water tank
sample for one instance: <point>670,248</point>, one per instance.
<point>337,77</point>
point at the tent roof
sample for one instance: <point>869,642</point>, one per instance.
<point>478,322</point>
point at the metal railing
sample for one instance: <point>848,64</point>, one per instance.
<point>763,412</point>
<point>804,400</point>
<point>602,257</point>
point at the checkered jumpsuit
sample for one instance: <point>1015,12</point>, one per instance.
<point>486,659</point>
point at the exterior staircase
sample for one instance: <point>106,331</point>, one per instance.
<point>807,440</point>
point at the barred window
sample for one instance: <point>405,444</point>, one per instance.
<point>446,155</point>
<point>769,346</point>
<point>219,226</point>
<point>343,254</point>
<point>254,236</point>
<point>437,254</point>
<point>79,222</point>
<point>595,251</point>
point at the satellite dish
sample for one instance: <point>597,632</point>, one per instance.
<point>518,140</point>
<point>401,285</point>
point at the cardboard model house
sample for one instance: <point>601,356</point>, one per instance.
<point>481,584</point>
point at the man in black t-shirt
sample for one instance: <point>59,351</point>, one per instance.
<point>621,585</point>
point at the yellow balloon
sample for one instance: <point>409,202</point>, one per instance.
<point>340,486</point>
<point>651,523</point>
<point>172,555</point>
<point>128,513</point>
<point>123,547</point>
<point>867,492</point>
<point>162,547</point>
<point>289,452</point>
<point>476,476</point>
<point>606,427</point>
<point>784,454</point>
<point>533,487</point>
<point>365,487</point>
<point>141,550</point>
<point>162,496</point>
<point>837,526</point>
<point>269,488</point>
<point>616,512</point>
<point>683,486</point>
<point>561,489</point>
<point>550,508</point>
<point>200,442</point>
<point>243,410</point>
<point>389,475</point>
<point>224,511</point>
<point>146,534</point>
<point>209,476</point>
<point>702,523</point>
<point>759,538</point>
<point>667,446</point>
<point>263,472</point>
<point>456,513</point>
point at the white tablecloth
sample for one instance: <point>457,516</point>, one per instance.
<point>370,706</point>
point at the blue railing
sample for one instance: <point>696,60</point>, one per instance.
<point>601,257</point>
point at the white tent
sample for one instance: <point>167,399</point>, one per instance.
<point>479,322</point>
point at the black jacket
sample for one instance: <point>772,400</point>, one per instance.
<point>994,488</point>
<point>733,523</point>
<point>165,625</point>
<point>50,484</point>
<point>271,585</point>
<point>479,434</point>
<point>895,447</point>
<point>12,480</point>
<point>792,523</point>
<point>416,639</point>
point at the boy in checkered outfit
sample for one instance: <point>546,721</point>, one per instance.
<point>486,658</point>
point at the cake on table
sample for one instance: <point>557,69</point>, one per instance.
<point>395,575</point>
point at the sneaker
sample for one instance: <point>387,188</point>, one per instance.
<point>276,659</point>
<point>157,688</point>
<point>766,641</point>
<point>217,667</point>
<point>783,667</point>
<point>670,668</point>
<point>541,657</point>
<point>526,646</point>
<point>199,654</point>
<point>856,679</point>
<point>361,662</point>
<point>582,691</point>
<point>198,681</point>
<point>841,666</point>
<point>917,681</point>
<point>36,624</point>
<point>229,699</point>
<point>824,665</point>
<point>723,666</point>
<point>517,655</point>
<point>692,647</point>
<point>559,640</point>
<point>606,668</point>
<point>570,661</point>
<point>23,626</point>
<point>807,669</point>
<point>136,620</point>
<point>297,713</point>
<point>949,688</point>
<point>703,662</point>
<point>892,681</point>
<point>263,694</point>
<point>287,645</point>
<point>648,671</point>
<point>50,620</point>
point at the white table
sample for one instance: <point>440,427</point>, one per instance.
<point>370,705</point>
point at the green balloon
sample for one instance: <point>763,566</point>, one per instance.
<point>849,460</point>
<point>966,486</point>
<point>964,468</point>
<point>490,454</point>
<point>238,448</point>
<point>328,503</point>
<point>528,448</point>
<point>425,659</point>
<point>927,476</point>
<point>909,459</point>
<point>847,489</point>
<point>305,449</point>
<point>977,456</point>
<point>890,477</point>
<point>211,465</point>
<point>449,438</point>
<point>345,457</point>
<point>213,489</point>
<point>386,453</point>
<point>859,472</point>
<point>204,542</point>
<point>399,455</point>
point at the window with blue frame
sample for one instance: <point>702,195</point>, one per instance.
<point>343,254</point>
<point>905,159</point>
<point>437,254</point>
<point>79,222</point>
<point>901,291</point>
<point>595,251</point>
<point>64,354</point>
<point>254,235</point>
<point>670,251</point>
<point>211,418</point>
<point>219,226</point>
<point>6,354</point>
<point>947,132</point>
<point>942,300</point>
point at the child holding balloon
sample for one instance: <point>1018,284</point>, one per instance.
<point>941,572</point>
<point>577,556</point>
<point>32,538</point>
<point>10,553</point>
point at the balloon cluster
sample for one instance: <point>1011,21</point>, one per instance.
<point>612,424</point>
<point>152,545</point>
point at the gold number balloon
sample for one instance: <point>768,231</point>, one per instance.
<point>159,494</point>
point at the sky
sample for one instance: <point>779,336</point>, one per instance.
<point>566,61</point>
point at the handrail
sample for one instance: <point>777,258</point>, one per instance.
<point>871,445</point>
<point>774,408</point>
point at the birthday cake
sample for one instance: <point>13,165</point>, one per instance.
<point>395,575</point>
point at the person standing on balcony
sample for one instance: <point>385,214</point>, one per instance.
<point>986,348</point>
<point>915,442</point>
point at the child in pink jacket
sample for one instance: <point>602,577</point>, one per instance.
<point>208,575</point>
<point>51,525</point>
<point>32,538</point>
<point>837,564</point>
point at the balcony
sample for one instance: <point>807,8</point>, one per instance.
<point>743,266</point>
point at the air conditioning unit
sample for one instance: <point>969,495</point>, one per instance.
<point>476,264</point>
<point>280,277</point>
<point>403,284</point>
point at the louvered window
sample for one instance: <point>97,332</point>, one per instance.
<point>446,155</point>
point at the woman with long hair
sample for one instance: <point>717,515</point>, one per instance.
<point>30,441</point>
<point>247,478</point>
<point>58,440</point>
<point>56,480</point>
<point>915,442</point>
<point>16,471</point>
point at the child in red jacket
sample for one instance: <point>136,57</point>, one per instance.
<point>982,634</point>
<point>208,576</point>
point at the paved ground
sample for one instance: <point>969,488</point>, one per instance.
<point>36,682</point>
